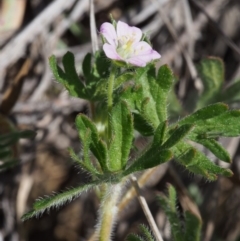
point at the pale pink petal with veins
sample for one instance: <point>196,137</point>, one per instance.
<point>109,33</point>
<point>111,52</point>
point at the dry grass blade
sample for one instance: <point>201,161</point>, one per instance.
<point>93,28</point>
<point>146,210</point>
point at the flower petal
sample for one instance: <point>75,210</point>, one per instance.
<point>141,48</point>
<point>123,29</point>
<point>136,34</point>
<point>111,52</point>
<point>109,32</point>
<point>137,61</point>
<point>127,32</point>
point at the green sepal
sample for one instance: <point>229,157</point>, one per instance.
<point>196,162</point>
<point>177,135</point>
<point>218,150</point>
<point>122,136</point>
<point>69,78</point>
<point>205,113</point>
<point>89,135</point>
<point>154,156</point>
<point>57,200</point>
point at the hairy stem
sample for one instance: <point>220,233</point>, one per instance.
<point>110,99</point>
<point>108,212</point>
<point>146,210</point>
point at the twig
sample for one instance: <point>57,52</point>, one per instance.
<point>189,27</point>
<point>228,41</point>
<point>16,47</point>
<point>191,67</point>
<point>147,12</point>
<point>146,210</point>
<point>213,9</point>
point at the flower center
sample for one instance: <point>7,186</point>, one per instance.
<point>125,48</point>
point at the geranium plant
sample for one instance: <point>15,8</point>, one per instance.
<point>130,95</point>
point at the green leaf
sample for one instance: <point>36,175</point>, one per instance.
<point>169,207</point>
<point>231,94</point>
<point>145,102</point>
<point>193,227</point>
<point>196,162</point>
<point>178,134</point>
<point>148,97</point>
<point>69,78</point>
<point>57,200</point>
<point>146,233</point>
<point>4,153</point>
<point>87,67</point>
<point>134,237</point>
<point>152,157</point>
<point>160,90</point>
<point>211,71</point>
<point>83,165</point>
<point>188,231</point>
<point>8,139</point>
<point>156,89</point>
<point>205,113</point>
<point>13,137</point>
<point>142,126</point>
<point>160,134</point>
<point>122,135</point>
<point>102,65</point>
<point>89,135</point>
<point>8,164</point>
<point>215,148</point>
<point>226,124</point>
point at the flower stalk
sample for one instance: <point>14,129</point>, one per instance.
<point>108,212</point>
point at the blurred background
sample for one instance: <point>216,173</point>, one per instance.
<point>183,31</point>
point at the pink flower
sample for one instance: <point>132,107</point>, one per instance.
<point>124,44</point>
